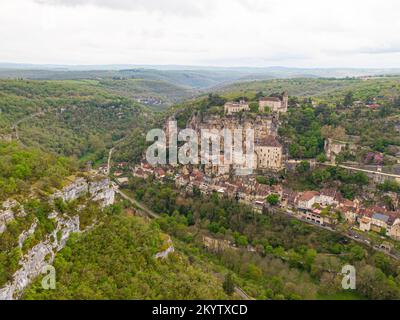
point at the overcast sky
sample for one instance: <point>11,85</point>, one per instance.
<point>296,33</point>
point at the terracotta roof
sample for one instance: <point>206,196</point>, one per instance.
<point>373,106</point>
<point>139,171</point>
<point>365,220</point>
<point>308,195</point>
<point>348,203</point>
<point>160,172</point>
<point>269,141</point>
<point>329,192</point>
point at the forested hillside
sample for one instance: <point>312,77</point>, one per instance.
<point>22,168</point>
<point>72,118</point>
<point>319,87</point>
<point>156,94</point>
<point>117,261</point>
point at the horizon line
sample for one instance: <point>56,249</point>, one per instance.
<point>3,64</point>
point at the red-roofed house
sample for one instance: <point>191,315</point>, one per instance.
<point>307,200</point>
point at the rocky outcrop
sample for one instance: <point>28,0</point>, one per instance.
<point>78,188</point>
<point>102,191</point>
<point>263,125</point>
<point>39,257</point>
<point>26,234</point>
<point>6,137</point>
<point>217,245</point>
<point>6,214</point>
<point>98,189</point>
<point>165,253</point>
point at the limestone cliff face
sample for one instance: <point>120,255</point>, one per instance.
<point>42,254</point>
<point>25,235</point>
<point>102,191</point>
<point>98,190</point>
<point>263,125</point>
<point>6,214</point>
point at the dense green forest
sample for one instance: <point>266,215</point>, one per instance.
<point>316,87</point>
<point>164,93</point>
<point>309,123</point>
<point>22,168</point>
<point>117,261</point>
<point>72,118</point>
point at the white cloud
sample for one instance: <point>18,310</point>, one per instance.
<point>175,7</point>
<point>359,33</point>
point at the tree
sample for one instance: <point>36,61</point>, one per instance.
<point>214,227</point>
<point>320,176</point>
<point>348,99</point>
<point>357,252</point>
<point>273,199</point>
<point>253,107</point>
<point>338,133</point>
<point>240,240</point>
<point>303,167</point>
<point>262,180</point>
<point>229,285</point>
<point>309,258</point>
<point>322,158</point>
<point>215,100</point>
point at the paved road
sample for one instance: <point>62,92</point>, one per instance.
<point>351,235</point>
<point>110,153</point>
<point>239,291</point>
<point>142,207</point>
<point>363,170</point>
<point>243,294</point>
<point>390,175</point>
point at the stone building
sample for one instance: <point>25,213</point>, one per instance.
<point>275,103</point>
<point>269,154</point>
<point>365,224</point>
<point>394,231</point>
<point>334,147</point>
<point>235,107</point>
<point>307,200</point>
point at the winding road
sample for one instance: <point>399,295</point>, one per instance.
<point>140,206</point>
<point>14,127</point>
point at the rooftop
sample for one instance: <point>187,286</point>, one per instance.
<point>308,195</point>
<point>269,141</point>
<point>381,217</point>
<point>276,99</point>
